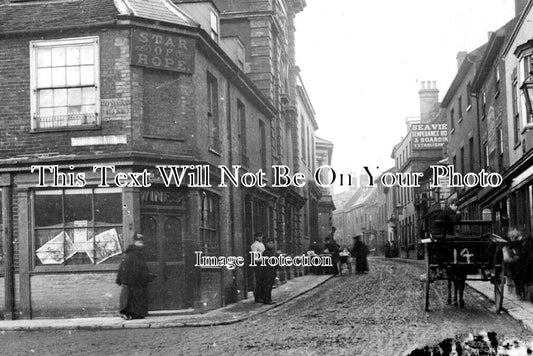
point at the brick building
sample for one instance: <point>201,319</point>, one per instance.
<point>421,147</point>
<point>326,206</point>
<point>135,85</point>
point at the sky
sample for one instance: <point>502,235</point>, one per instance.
<point>362,63</point>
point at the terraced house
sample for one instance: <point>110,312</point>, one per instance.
<point>127,86</point>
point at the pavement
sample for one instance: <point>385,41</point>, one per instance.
<point>518,309</point>
<point>233,313</point>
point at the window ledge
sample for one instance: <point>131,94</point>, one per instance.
<point>111,267</point>
<point>460,119</point>
<point>215,152</point>
<point>452,130</point>
<point>496,95</point>
<point>67,128</point>
<point>516,145</point>
<point>468,107</point>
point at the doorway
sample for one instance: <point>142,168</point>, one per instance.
<point>163,233</point>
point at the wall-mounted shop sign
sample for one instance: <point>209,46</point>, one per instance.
<point>163,197</point>
<point>161,50</point>
<point>426,136</point>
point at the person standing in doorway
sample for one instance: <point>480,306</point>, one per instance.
<point>133,277</point>
<point>259,274</point>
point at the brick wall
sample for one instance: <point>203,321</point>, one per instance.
<point>16,138</point>
<point>79,294</point>
<point>210,293</point>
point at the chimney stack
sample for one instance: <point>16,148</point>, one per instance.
<point>429,98</point>
<point>461,56</point>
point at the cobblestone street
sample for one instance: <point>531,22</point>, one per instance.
<point>379,313</point>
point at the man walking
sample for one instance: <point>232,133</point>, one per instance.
<point>259,274</point>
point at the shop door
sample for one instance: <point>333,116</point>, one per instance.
<point>164,257</point>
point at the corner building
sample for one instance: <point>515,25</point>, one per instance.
<point>131,84</point>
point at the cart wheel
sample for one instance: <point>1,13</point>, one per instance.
<point>499,281</point>
<point>428,279</point>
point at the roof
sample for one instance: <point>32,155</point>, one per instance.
<point>517,27</point>
<point>494,45</point>
<point>368,197</point>
<point>33,16</point>
<point>158,10</point>
<point>319,140</point>
<point>466,66</point>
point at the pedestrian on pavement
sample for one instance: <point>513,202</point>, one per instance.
<point>133,277</point>
<point>360,253</point>
<point>518,258</point>
<point>333,249</point>
<point>268,273</point>
<point>259,247</point>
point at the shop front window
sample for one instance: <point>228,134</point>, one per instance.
<point>209,224</point>
<point>77,226</point>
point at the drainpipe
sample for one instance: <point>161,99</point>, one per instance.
<point>231,189</point>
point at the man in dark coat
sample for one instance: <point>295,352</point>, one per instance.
<point>133,276</point>
<point>334,249</point>
<point>269,273</point>
<point>360,252</point>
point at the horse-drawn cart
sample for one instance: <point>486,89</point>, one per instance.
<point>473,252</point>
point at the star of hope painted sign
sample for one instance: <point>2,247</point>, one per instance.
<point>161,50</point>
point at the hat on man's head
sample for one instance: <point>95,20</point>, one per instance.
<point>258,234</point>
<point>270,240</point>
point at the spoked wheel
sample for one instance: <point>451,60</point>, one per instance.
<point>498,280</point>
<point>428,279</point>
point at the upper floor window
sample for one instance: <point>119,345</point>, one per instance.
<point>516,115</point>
<point>497,80</point>
<point>483,104</point>
<point>262,145</point>
<point>468,95</point>
<point>452,119</point>
<point>212,112</point>
<point>460,107</point>
<point>214,26</point>
<point>64,80</point>
<point>241,113</point>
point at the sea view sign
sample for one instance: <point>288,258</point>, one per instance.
<point>428,136</point>
<point>159,50</point>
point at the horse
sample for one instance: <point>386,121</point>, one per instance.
<point>456,276</point>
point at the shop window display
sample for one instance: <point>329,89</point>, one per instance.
<point>77,226</point>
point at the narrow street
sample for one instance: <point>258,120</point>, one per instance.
<point>379,313</point>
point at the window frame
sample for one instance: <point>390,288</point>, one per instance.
<point>63,267</point>
<point>213,118</point>
<point>209,229</point>
<point>460,108</point>
<point>63,42</point>
<point>214,25</point>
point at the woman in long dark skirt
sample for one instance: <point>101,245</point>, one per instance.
<point>360,253</point>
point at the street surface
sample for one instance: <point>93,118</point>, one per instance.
<point>380,313</point>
